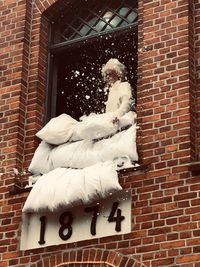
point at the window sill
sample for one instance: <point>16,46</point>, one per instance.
<point>142,167</point>
<point>19,188</point>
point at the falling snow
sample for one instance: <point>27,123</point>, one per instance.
<point>76,73</point>
<point>81,89</point>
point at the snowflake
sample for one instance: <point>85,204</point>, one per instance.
<point>76,73</point>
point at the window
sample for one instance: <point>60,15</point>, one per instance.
<point>83,38</point>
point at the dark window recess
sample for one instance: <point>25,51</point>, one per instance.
<point>80,85</point>
<point>84,38</point>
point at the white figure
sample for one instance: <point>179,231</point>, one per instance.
<point>120,99</point>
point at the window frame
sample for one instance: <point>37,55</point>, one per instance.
<point>56,49</point>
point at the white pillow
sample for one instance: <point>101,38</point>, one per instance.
<point>64,188</point>
<point>121,144</point>
<point>58,130</point>
<point>87,152</point>
<point>74,155</point>
<point>95,126</point>
<point>40,162</point>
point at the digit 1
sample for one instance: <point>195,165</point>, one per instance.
<point>95,210</point>
<point>118,218</point>
<point>42,230</point>
<point>65,225</point>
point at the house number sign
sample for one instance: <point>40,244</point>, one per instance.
<point>108,217</point>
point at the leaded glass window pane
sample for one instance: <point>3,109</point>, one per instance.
<point>123,11</point>
<point>131,17</point>
<point>91,18</point>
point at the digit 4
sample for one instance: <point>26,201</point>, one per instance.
<point>118,218</point>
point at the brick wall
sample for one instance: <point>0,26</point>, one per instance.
<point>165,207</point>
<point>197,58</point>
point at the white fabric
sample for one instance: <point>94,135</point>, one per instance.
<point>127,119</point>
<point>86,153</point>
<point>64,129</point>
<point>95,126</point>
<point>119,98</point>
<point>58,130</point>
<point>122,143</point>
<point>64,188</point>
<point>40,162</point>
<point>113,64</point>
<point>74,155</point>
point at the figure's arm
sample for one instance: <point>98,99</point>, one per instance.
<point>126,103</point>
<point>126,100</point>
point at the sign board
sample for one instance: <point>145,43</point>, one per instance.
<point>111,216</point>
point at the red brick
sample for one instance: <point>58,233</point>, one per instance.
<point>173,244</point>
<point>165,196</point>
<point>163,262</point>
<point>188,258</point>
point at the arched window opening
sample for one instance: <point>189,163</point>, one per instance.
<point>83,38</point>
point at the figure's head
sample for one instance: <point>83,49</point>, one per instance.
<point>113,70</point>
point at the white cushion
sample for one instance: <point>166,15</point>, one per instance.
<point>120,144</point>
<point>58,130</point>
<point>40,162</point>
<point>64,188</point>
<point>85,153</point>
<point>95,126</point>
